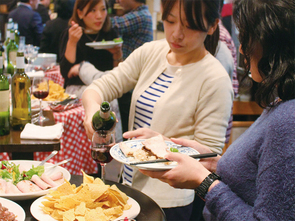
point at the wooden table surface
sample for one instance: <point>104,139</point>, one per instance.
<point>24,148</point>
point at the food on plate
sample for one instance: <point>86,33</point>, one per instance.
<point>152,149</point>
<point>43,185</point>
<point>14,179</point>
<point>56,92</point>
<point>6,215</point>
<point>92,200</point>
<point>26,186</point>
<point>117,40</point>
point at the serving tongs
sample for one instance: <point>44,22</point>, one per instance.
<point>59,163</point>
<point>196,156</point>
<point>68,100</point>
<point>53,153</point>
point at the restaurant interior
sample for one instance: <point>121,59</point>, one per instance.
<point>72,143</point>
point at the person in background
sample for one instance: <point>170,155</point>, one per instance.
<point>89,23</point>
<point>29,21</point>
<point>54,28</point>
<point>179,90</point>
<point>135,26</point>
<point>254,179</point>
<point>43,11</point>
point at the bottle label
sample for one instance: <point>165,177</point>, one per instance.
<point>20,61</point>
<point>12,57</point>
<point>4,101</point>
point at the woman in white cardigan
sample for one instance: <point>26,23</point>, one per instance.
<point>195,98</point>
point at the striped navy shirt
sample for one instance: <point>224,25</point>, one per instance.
<point>145,106</point>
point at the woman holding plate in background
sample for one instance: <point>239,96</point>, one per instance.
<point>89,23</point>
<point>180,90</point>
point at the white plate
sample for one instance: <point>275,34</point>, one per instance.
<point>118,155</point>
<point>26,165</point>
<point>14,208</point>
<point>103,45</point>
<point>37,212</point>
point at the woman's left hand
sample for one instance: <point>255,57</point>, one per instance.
<point>141,133</point>
<point>188,174</point>
<point>117,53</point>
<point>74,71</point>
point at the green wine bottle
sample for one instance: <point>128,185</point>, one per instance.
<point>9,27</point>
<point>20,95</point>
<point>4,102</point>
<point>11,51</point>
<point>104,120</point>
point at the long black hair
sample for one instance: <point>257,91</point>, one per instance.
<point>269,25</point>
<point>196,11</point>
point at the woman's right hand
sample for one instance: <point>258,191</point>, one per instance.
<point>75,33</point>
<point>88,126</point>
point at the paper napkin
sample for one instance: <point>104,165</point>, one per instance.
<point>32,131</point>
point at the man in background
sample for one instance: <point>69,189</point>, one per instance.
<point>135,28</point>
<point>29,21</point>
<point>43,10</point>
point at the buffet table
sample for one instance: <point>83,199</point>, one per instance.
<point>74,143</point>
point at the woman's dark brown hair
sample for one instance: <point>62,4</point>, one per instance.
<point>195,11</point>
<point>271,26</point>
<point>81,4</point>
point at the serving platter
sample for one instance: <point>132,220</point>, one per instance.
<point>26,165</point>
<point>118,155</point>
<point>103,44</point>
<point>14,208</point>
<point>38,213</point>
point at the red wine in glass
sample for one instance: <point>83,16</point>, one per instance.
<point>40,94</point>
<point>100,149</point>
<point>101,154</point>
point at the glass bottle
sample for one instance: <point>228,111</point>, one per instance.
<point>4,101</point>
<point>8,28</point>
<point>11,51</point>
<point>20,95</point>
<point>16,33</point>
<point>104,120</point>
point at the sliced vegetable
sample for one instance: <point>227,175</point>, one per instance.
<point>173,149</point>
<point>117,40</point>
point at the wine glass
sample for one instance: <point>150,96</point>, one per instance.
<point>102,142</point>
<point>28,54</point>
<point>40,89</point>
<point>34,53</point>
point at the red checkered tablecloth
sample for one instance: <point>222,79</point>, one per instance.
<point>74,143</point>
<point>55,75</point>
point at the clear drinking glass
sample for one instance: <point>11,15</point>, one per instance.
<point>22,43</point>
<point>100,149</point>
<point>40,89</point>
<point>30,53</point>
